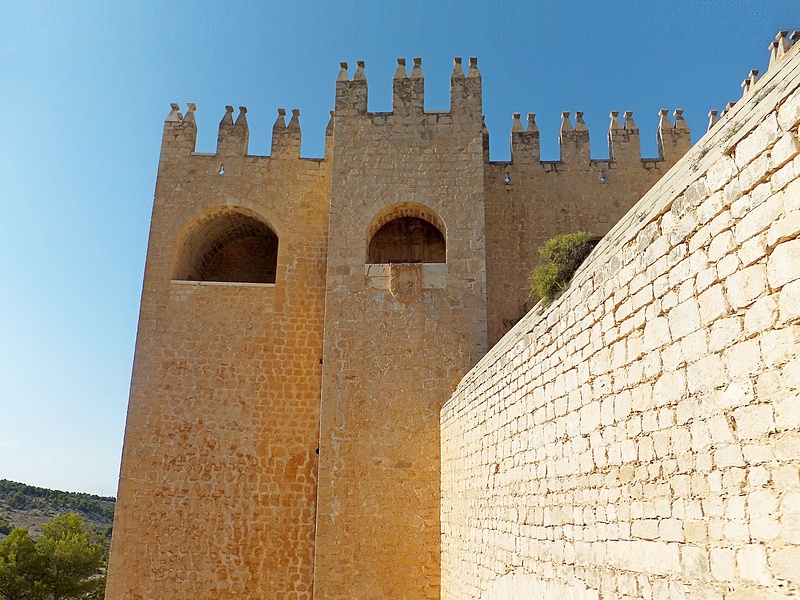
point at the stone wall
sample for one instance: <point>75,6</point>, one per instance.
<point>640,437</point>
<point>217,492</point>
<point>528,201</point>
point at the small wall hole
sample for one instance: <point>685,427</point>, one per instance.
<point>602,176</point>
<point>222,169</point>
<point>507,178</point>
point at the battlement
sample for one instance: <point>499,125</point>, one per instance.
<point>408,90</point>
<point>408,99</point>
<point>624,146</point>
<point>180,134</point>
<point>780,49</point>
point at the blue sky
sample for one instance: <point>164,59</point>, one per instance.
<point>85,87</point>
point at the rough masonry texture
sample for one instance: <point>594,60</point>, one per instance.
<point>640,438</point>
<point>304,321</point>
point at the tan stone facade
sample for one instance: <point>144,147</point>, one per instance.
<point>303,322</point>
<point>640,437</point>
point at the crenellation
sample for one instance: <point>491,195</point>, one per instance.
<point>525,147</point>
<point>674,140</point>
<point>408,93</point>
<point>471,103</point>
<point>351,96</point>
<point>286,138</point>
<point>456,86</point>
<point>713,119</point>
<point>749,82</point>
<point>191,107</point>
<point>179,136</point>
<point>233,138</point>
<point>574,141</point>
<point>624,146</point>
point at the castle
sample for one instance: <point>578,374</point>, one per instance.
<point>291,431</point>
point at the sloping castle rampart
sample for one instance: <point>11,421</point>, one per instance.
<point>303,322</point>
<point>640,438</point>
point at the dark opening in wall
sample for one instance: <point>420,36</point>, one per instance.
<point>229,245</point>
<point>407,240</point>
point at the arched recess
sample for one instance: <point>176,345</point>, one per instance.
<point>406,233</point>
<point>227,244</point>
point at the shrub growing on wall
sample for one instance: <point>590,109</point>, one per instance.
<point>561,256</point>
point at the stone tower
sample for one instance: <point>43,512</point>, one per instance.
<point>304,320</point>
<point>218,484</point>
<point>399,336</point>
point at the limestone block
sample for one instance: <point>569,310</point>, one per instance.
<point>728,265</point>
<point>743,358</point>
<point>761,315</point>
<point>684,319</point>
<point>789,302</point>
<point>753,250</point>
<point>789,113</point>
<point>785,563</point>
<point>783,265</point>
<point>756,172</point>
<point>706,374</point>
<point>729,456</point>
<point>724,332</point>
<point>722,222</point>
<point>759,218</point>
<point>791,196</point>
<point>720,430</point>
<point>706,278</point>
<point>720,173</point>
<point>645,529</point>
<point>723,565</point>
<point>711,206</point>
<point>745,286</point>
<point>695,531</point>
<point>786,447</point>
<point>753,422</point>
<point>761,138</point>
<point>784,176</point>
<point>762,503</point>
<point>790,518</point>
<point>656,333</point>
<point>754,592</point>
<point>671,530</point>
<point>784,229</point>
<point>752,562</point>
<point>786,148</point>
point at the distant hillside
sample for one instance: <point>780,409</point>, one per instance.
<point>29,506</point>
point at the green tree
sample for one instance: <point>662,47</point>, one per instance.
<point>73,558</point>
<point>5,526</point>
<point>66,562</point>
<point>21,568</point>
<point>560,258</point>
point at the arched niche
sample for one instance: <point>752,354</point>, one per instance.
<point>227,244</point>
<point>406,233</point>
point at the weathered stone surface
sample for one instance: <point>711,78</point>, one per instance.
<point>693,490</point>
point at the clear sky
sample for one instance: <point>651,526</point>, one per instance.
<point>85,87</point>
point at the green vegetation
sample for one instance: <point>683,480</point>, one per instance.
<point>18,496</point>
<point>66,562</point>
<point>561,256</point>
